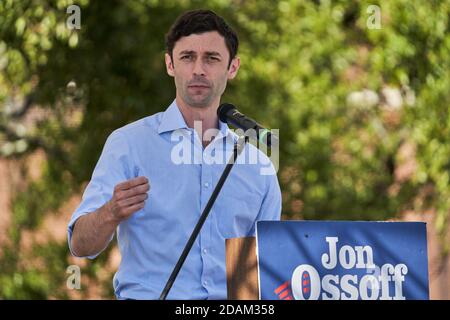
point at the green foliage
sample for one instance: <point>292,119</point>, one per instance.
<point>42,277</point>
<point>31,206</point>
<point>348,101</point>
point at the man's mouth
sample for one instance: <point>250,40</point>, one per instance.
<point>195,86</point>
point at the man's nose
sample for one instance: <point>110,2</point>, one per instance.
<point>199,69</point>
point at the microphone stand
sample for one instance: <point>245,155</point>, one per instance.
<point>238,147</point>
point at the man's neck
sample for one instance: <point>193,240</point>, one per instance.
<point>207,115</point>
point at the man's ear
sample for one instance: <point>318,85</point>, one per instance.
<point>169,65</point>
<point>234,67</point>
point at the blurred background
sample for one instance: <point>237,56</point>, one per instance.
<point>359,89</point>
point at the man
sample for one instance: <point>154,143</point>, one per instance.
<point>141,188</point>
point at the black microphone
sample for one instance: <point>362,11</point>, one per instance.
<point>229,114</point>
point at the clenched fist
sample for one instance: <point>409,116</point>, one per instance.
<point>128,197</point>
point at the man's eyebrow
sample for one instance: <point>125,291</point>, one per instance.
<point>208,53</point>
<point>186,52</point>
<point>212,53</point>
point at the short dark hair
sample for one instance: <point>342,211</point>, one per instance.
<point>197,22</point>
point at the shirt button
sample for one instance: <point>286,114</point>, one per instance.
<point>206,184</point>
<point>205,251</point>
<point>205,283</point>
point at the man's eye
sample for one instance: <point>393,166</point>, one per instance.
<point>186,57</point>
<point>214,59</point>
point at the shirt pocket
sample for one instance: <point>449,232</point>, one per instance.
<point>236,213</point>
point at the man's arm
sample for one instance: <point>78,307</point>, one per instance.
<point>271,204</point>
<point>92,232</point>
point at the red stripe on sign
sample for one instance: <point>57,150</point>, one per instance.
<point>288,298</point>
<point>282,287</point>
<point>284,294</point>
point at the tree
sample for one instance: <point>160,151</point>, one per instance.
<point>363,113</point>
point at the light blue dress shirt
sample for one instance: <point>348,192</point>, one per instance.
<point>182,176</point>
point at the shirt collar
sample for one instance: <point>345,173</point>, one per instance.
<point>172,119</point>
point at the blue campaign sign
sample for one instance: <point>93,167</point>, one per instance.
<point>310,260</point>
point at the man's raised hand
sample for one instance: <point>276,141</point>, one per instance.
<point>128,197</point>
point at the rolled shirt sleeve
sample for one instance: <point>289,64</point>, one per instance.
<point>112,168</point>
<point>271,204</point>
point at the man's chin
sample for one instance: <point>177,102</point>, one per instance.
<point>199,102</point>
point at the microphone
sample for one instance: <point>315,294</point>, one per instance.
<point>229,114</point>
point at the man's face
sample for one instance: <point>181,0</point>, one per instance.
<point>200,68</point>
